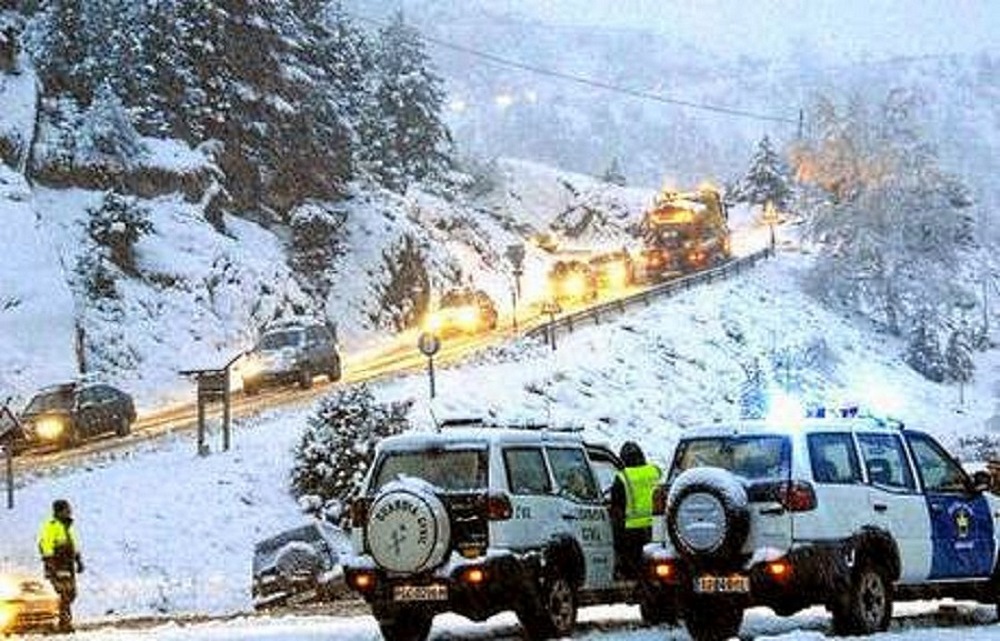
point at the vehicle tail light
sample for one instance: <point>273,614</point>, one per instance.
<point>474,576</point>
<point>363,581</point>
<point>359,511</point>
<point>664,571</point>
<point>660,500</point>
<point>797,496</point>
<point>498,507</point>
<point>780,569</point>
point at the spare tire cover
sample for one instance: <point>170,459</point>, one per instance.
<point>408,529</point>
<point>707,514</point>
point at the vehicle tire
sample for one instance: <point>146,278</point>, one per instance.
<point>554,615</point>
<point>867,607</point>
<point>707,514</point>
<point>408,528</point>
<point>250,388</point>
<point>406,625</point>
<point>334,372</point>
<point>305,378</point>
<point>713,619</point>
<point>657,609</point>
<point>124,427</point>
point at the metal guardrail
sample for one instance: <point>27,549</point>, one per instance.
<point>666,288</point>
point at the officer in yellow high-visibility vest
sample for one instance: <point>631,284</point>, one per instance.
<point>632,507</point>
<point>61,556</point>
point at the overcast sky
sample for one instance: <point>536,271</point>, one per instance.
<point>836,28</point>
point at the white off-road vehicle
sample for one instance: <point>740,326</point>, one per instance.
<point>850,513</point>
<point>477,520</point>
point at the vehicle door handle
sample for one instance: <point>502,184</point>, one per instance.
<point>936,508</point>
<point>880,507</point>
<point>570,517</point>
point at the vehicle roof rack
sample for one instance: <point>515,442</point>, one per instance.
<point>474,421</point>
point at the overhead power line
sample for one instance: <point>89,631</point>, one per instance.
<point>590,82</point>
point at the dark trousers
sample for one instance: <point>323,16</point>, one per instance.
<point>629,546</point>
<point>65,585</point>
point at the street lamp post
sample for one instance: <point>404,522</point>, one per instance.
<point>515,254</point>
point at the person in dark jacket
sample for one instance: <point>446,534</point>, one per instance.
<point>632,508</point>
<point>60,550</point>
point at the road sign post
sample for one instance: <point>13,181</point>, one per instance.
<point>551,308</point>
<point>429,344</point>
<point>213,386</point>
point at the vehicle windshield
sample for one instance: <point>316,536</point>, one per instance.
<point>453,470</point>
<point>457,299</point>
<point>49,401</point>
<point>278,340</point>
<point>752,457</point>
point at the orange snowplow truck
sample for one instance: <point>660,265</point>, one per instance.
<point>684,232</point>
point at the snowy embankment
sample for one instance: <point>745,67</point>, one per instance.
<point>167,532</point>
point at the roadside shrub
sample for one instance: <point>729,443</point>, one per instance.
<point>338,444</point>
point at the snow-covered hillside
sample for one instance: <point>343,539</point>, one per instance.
<point>168,532</point>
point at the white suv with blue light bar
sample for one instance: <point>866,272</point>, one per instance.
<point>851,513</point>
<point>480,519</point>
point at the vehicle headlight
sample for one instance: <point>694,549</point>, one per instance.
<point>576,286</point>
<point>50,428</point>
<point>10,588</point>
<point>468,318</point>
<point>8,614</point>
<point>433,323</point>
<point>617,275</point>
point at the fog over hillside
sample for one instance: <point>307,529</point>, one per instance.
<point>759,58</point>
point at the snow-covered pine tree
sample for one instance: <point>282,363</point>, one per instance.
<point>404,138</point>
<point>614,174</point>
<point>315,244</point>
<point>106,135</point>
<point>58,50</point>
<point>767,179</point>
<point>338,444</point>
<point>923,352</point>
<point>117,225</point>
<point>402,299</point>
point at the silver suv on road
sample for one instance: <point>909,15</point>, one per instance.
<point>850,513</point>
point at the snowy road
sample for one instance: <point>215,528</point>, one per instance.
<point>919,621</point>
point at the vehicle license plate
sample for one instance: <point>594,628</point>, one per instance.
<point>726,584</point>
<point>433,592</point>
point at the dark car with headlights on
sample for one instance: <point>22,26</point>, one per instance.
<point>292,351</point>
<point>63,415</point>
<point>299,566</point>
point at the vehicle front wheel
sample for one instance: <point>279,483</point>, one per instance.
<point>713,619</point>
<point>555,614</point>
<point>305,378</point>
<point>406,626</point>
<point>124,426</point>
<point>867,608</point>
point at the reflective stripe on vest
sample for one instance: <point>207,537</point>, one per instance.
<point>639,485</point>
